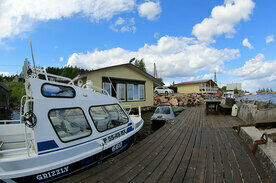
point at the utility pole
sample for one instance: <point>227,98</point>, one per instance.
<point>215,77</point>
<point>154,71</point>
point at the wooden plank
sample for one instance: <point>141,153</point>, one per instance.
<point>194,158</point>
<point>131,168</point>
<point>142,167</point>
<point>231,158</point>
<point>171,169</point>
<point>227,173</point>
<point>142,176</point>
<point>163,166</point>
<point>182,168</point>
<point>209,173</point>
<point>248,174</point>
<point>202,158</point>
<point>256,164</point>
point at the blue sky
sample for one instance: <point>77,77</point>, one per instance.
<point>188,40</point>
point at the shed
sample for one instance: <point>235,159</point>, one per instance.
<point>5,93</point>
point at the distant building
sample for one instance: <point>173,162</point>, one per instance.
<point>202,86</point>
<point>128,83</point>
<point>5,93</point>
<point>234,86</point>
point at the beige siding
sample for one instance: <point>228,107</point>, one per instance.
<point>191,88</point>
<point>124,72</point>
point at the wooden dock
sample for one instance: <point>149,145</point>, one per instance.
<point>195,148</point>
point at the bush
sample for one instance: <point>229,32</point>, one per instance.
<point>18,91</point>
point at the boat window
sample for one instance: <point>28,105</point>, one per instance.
<point>51,90</point>
<point>69,124</point>
<point>108,116</point>
<point>163,110</point>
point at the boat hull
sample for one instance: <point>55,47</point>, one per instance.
<point>63,171</point>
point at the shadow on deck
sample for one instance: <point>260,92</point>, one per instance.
<point>195,148</point>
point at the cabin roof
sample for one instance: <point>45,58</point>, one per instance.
<point>131,66</point>
<point>5,87</point>
<point>196,82</point>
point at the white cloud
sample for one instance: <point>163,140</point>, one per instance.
<point>174,57</point>
<point>120,21</point>
<point>223,19</point>
<point>61,59</point>
<point>257,73</point>
<point>150,10</point>
<point>246,43</point>
<point>17,16</point>
<point>55,46</point>
<point>124,25</point>
<point>5,74</point>
<point>269,39</point>
<point>208,76</point>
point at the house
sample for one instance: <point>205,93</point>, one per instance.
<point>234,86</point>
<point>5,93</point>
<point>131,85</point>
<point>202,86</point>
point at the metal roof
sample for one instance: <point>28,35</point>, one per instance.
<point>195,82</point>
<point>5,87</point>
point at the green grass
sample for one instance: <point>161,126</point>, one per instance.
<point>18,90</point>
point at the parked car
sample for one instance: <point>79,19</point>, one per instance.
<point>163,90</point>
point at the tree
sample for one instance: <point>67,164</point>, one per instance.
<point>223,88</point>
<point>236,91</point>
<point>140,63</point>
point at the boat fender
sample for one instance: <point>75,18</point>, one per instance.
<point>30,119</point>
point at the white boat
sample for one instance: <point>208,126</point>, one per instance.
<point>62,128</point>
<point>163,114</point>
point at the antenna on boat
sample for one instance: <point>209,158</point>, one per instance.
<point>32,55</point>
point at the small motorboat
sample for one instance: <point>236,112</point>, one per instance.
<point>162,114</point>
<point>63,128</point>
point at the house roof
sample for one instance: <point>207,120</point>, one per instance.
<point>195,82</point>
<point>5,87</point>
<point>131,66</point>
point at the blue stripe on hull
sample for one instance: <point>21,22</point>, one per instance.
<point>58,173</point>
<point>46,145</point>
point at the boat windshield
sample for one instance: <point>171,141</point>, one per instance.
<point>69,124</point>
<point>108,116</point>
<point>163,110</point>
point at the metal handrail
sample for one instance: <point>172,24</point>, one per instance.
<point>91,86</point>
<point>5,122</point>
<point>129,106</point>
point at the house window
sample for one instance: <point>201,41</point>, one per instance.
<point>121,92</point>
<point>135,92</point>
<point>107,87</point>
<point>142,92</point>
<point>124,89</point>
<point>130,92</point>
<point>69,124</point>
<point>108,117</point>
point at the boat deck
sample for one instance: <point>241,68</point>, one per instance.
<point>194,148</point>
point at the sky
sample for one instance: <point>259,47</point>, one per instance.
<point>188,40</point>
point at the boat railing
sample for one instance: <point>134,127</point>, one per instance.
<point>28,140</point>
<point>42,71</point>
<point>94,88</point>
<point>127,108</point>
